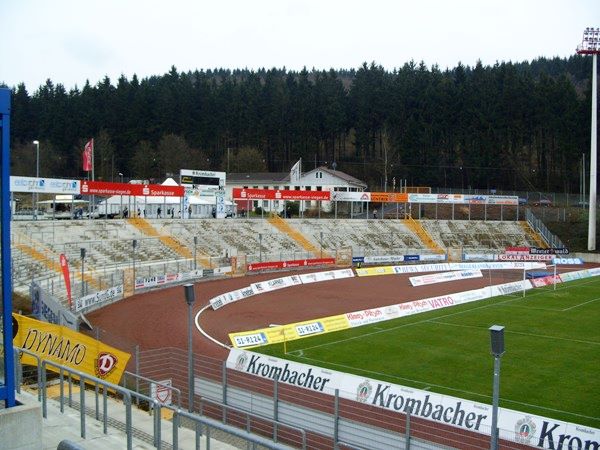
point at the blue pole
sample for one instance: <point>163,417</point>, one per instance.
<point>7,390</point>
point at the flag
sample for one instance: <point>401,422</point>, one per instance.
<point>295,172</point>
<point>88,156</point>
<point>64,265</point>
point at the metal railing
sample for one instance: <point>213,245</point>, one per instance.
<point>71,376</point>
<point>537,225</point>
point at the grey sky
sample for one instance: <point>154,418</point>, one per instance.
<point>71,41</point>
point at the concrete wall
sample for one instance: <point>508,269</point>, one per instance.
<point>21,427</point>
<point>587,257</point>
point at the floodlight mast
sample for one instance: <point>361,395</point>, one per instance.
<point>590,45</point>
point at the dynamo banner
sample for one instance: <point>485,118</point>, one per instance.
<point>64,346</point>
<point>524,428</point>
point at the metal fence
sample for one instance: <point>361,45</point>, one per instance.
<point>329,421</point>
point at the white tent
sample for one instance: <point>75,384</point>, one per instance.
<point>153,207</point>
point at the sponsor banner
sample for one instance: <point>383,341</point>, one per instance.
<point>274,265</point>
<point>478,256</point>
<point>162,391</point>
<point>389,197</point>
<point>275,284</point>
<point>567,261</point>
<point>358,259</point>
<point>510,288</point>
<point>510,200</point>
<point>222,270</point>
<point>549,251</point>
<point>516,250</point>
<point>151,190</point>
<point>329,275</point>
<point>475,199</point>
<point>374,271</point>
<point>278,194</point>
<point>450,198</point>
<point>443,277</point>
<point>293,331</point>
<point>105,296</point>
<point>67,347</point>
<point>545,281</point>
<point>411,257</point>
<point>49,309</point>
<point>342,196</point>
<point>527,257</point>
<point>44,185</point>
<point>433,257</point>
<point>164,279</point>
<point>443,409</point>
<point>382,259</point>
<point>230,297</point>
<point>423,198</point>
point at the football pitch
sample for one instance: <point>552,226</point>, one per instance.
<point>550,367</point>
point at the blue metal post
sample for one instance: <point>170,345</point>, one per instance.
<point>7,390</point>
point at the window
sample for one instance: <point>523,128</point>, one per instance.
<point>319,188</point>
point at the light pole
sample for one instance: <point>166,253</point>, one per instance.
<point>82,252</point>
<point>195,244</point>
<point>497,341</point>
<point>590,45</point>
<point>190,298</point>
<point>121,205</point>
<point>37,174</point>
<point>134,245</point>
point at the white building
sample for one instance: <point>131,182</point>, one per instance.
<point>319,179</point>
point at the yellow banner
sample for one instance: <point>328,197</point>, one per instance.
<point>64,346</point>
<point>289,332</point>
<point>372,271</point>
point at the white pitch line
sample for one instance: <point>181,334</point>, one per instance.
<point>428,387</point>
<point>581,304</point>
<point>580,341</point>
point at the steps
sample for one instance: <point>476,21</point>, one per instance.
<point>532,234</point>
<point>287,229</point>
<point>146,228</point>
<point>418,229</point>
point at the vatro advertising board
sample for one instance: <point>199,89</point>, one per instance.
<point>524,428</point>
<point>279,194</point>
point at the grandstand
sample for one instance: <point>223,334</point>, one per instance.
<point>169,245</point>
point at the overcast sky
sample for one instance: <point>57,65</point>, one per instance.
<point>74,41</point>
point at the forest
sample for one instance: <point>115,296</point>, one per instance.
<point>513,125</point>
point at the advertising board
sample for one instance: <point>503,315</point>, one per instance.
<point>278,194</point>
<point>105,188</point>
<point>44,185</point>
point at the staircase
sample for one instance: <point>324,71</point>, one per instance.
<point>147,229</point>
<point>284,227</point>
<point>536,237</point>
<point>51,260</point>
<point>418,229</point>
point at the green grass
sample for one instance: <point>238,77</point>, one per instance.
<point>550,367</point>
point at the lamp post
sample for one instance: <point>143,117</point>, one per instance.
<point>190,298</point>
<point>134,245</point>
<point>195,244</point>
<point>497,341</point>
<point>121,205</point>
<point>590,45</point>
<point>37,174</point>
<point>82,252</point>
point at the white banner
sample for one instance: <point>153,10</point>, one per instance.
<point>525,257</point>
<point>479,256</point>
<point>328,275</point>
<point>44,185</point>
<point>105,296</point>
<point>524,428</point>
<point>342,196</point>
<point>443,277</point>
<point>383,259</point>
